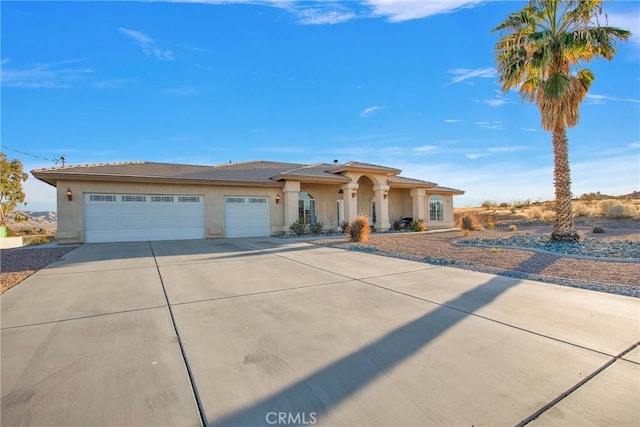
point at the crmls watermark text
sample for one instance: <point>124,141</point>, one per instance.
<point>293,418</point>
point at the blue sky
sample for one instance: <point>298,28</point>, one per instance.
<point>408,84</point>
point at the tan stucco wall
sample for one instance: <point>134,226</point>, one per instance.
<point>399,204</point>
<point>326,202</point>
<point>447,201</point>
<point>71,213</point>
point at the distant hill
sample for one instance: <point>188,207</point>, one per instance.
<point>632,195</point>
<point>38,222</point>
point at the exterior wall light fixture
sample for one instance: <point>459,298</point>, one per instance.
<point>385,194</point>
<point>69,194</point>
<point>277,198</point>
<point>354,192</point>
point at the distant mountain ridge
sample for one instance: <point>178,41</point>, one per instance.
<point>37,220</point>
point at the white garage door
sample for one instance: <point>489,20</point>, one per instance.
<point>136,217</point>
<point>246,216</point>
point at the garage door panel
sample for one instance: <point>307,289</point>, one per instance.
<point>127,218</point>
<point>246,216</point>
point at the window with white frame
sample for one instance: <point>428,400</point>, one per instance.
<point>306,208</point>
<point>436,209</point>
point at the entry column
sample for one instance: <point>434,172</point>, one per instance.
<point>290,192</point>
<point>350,197</point>
<point>418,203</point>
<point>382,207</point>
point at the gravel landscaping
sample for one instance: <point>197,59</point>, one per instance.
<point>604,262</point>
<point>19,263</point>
<point>609,263</point>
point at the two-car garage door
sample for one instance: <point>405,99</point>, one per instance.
<point>135,217</point>
<point>138,217</point>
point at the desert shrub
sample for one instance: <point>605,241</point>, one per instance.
<point>469,222</point>
<point>513,227</point>
<point>298,228</point>
<point>464,232</point>
<point>534,213</point>
<point>36,240</point>
<point>504,205</point>
<point>620,211</point>
<point>344,227</point>
<point>604,205</point>
<point>359,229</point>
<point>398,224</point>
<point>514,210</point>
<point>598,229</point>
<point>580,209</point>
<point>491,222</point>
<point>419,225</point>
<point>548,215</point>
<point>489,204</point>
<point>316,228</point>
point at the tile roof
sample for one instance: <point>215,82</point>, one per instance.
<point>402,181</point>
<point>318,171</point>
<point>243,173</point>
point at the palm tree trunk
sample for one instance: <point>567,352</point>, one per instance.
<point>564,229</point>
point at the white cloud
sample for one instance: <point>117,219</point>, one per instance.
<point>497,102</point>
<point>529,129</point>
<point>474,156</point>
<point>147,44</point>
<point>601,99</point>
<point>314,16</point>
<point>451,120</point>
<point>462,74</point>
<point>404,10</point>
<point>370,110</point>
<point>55,75</point>
<point>425,149</point>
<point>493,125</point>
<point>508,149</point>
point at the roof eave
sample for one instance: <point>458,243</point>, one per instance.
<point>364,169</point>
<point>337,179</point>
<point>52,178</point>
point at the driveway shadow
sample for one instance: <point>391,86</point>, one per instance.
<point>323,390</point>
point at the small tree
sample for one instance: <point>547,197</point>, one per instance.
<point>11,179</point>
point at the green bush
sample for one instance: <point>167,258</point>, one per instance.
<point>419,225</point>
<point>344,227</point>
<point>316,228</point>
<point>359,229</point>
<point>598,229</point>
<point>298,228</point>
<point>469,223</point>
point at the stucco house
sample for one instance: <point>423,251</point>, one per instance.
<point>136,201</point>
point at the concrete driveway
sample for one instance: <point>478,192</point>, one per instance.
<point>257,332</point>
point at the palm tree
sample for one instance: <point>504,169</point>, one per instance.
<point>541,52</point>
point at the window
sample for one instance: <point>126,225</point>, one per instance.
<point>373,210</point>
<point>134,199</point>
<point>306,208</point>
<point>102,198</point>
<point>163,199</point>
<point>436,209</point>
<point>189,199</point>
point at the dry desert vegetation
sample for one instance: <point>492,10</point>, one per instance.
<point>610,219</point>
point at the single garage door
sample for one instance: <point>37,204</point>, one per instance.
<point>136,217</point>
<point>246,216</point>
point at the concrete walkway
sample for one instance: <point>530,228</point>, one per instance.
<point>254,332</point>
